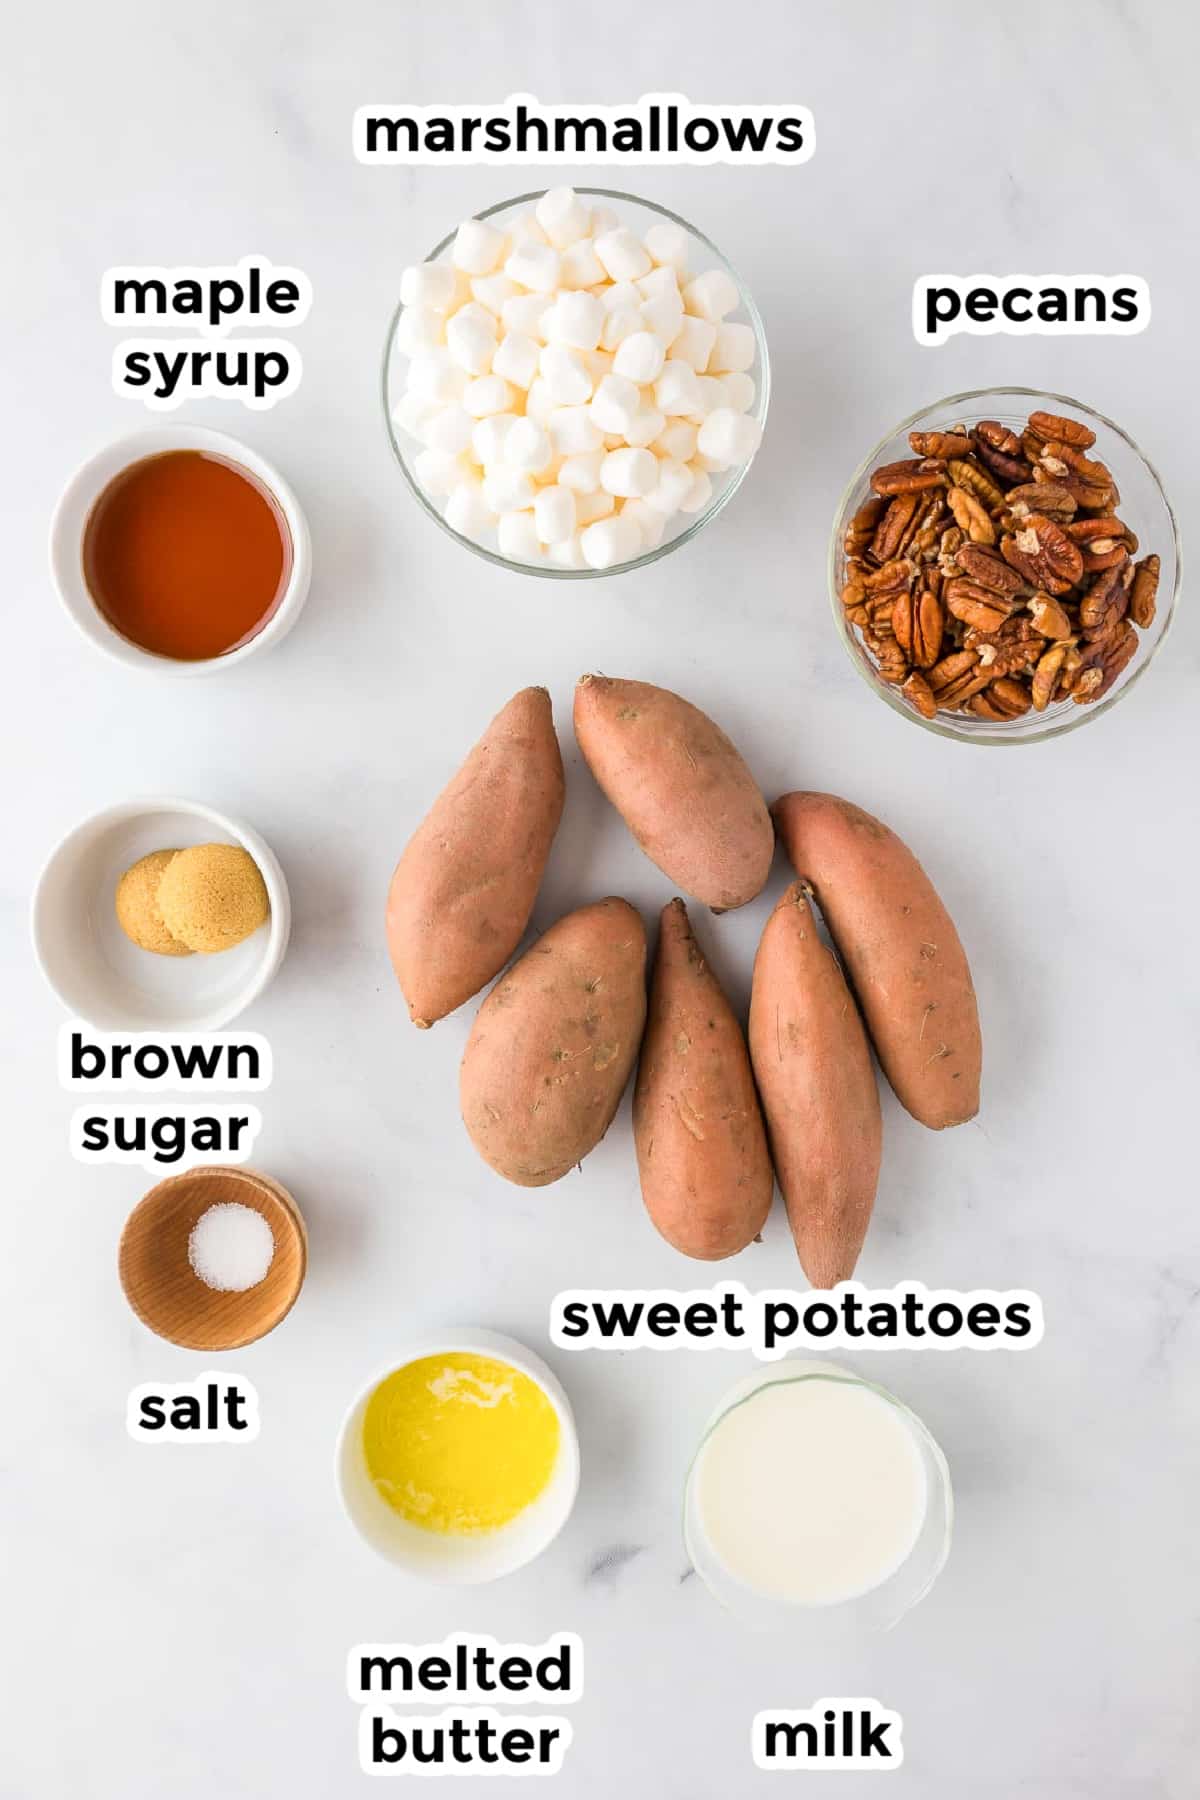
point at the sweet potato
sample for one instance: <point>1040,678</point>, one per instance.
<point>900,950</point>
<point>812,1063</point>
<point>464,888</point>
<point>702,1152</point>
<point>680,786</point>
<point>553,1045</point>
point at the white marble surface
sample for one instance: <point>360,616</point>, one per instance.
<point>175,1623</point>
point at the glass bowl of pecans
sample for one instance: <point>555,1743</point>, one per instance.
<point>1004,566</point>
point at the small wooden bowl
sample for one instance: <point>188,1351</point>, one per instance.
<point>164,1290</point>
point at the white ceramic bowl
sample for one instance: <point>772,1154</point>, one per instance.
<point>461,1561</point>
<point>107,981</point>
<point>89,482</point>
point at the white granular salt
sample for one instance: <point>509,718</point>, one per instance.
<point>231,1247</point>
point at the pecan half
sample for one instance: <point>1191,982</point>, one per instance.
<point>1049,617</point>
<point>861,528</point>
<point>942,444</point>
<point>975,606</point>
<point>918,693</point>
<point>1003,699</point>
<point>918,622</point>
<point>1143,595</point>
<point>1006,468</point>
<point>1116,656</point>
<point>998,437</point>
<point>1045,497</point>
<point>971,516</point>
<point>976,481</point>
<point>1104,604</point>
<point>893,529</point>
<point>1045,676</point>
<point>907,477</point>
<point>1043,553</point>
<point>989,568</point>
<point>1052,427</point>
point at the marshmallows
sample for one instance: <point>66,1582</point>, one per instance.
<point>573,387</point>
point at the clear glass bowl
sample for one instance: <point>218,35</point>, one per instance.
<point>864,1615</point>
<point>639,215</point>
<point>1143,505</point>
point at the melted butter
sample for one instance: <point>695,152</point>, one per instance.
<point>460,1443</point>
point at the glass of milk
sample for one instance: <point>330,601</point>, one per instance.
<point>817,1497</point>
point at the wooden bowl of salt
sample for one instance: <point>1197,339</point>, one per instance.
<point>213,1258</point>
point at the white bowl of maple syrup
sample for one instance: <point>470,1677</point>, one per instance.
<point>181,550</point>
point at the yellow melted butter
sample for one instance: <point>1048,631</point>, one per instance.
<point>460,1443</point>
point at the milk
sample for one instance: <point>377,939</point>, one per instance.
<point>811,1491</point>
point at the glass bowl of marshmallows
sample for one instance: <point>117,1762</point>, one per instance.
<point>575,382</point>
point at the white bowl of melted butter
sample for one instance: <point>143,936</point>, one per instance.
<point>459,1461</point>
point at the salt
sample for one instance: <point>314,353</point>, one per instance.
<point>231,1247</point>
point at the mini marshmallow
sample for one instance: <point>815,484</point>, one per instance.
<point>516,359</point>
<point>629,473</point>
<point>563,217</point>
<point>616,403</point>
<point>677,441</point>
<point>664,316</point>
<point>517,537</point>
<point>554,514</point>
<point>672,488</point>
<point>533,266</point>
<point>507,490</point>
<point>435,285</point>
<point>526,313</point>
<point>733,350</point>
<point>490,436</point>
<point>694,343</point>
<point>668,245</point>
<point>728,437</point>
<point>466,510</point>
<point>640,358</point>
<point>658,284</point>
<point>565,374</point>
<point>711,296</point>
<point>609,542</point>
<point>418,329</point>
<point>488,394</point>
<point>527,447</point>
<point>623,256</point>
<point>699,494</point>
<point>471,338</point>
<point>650,524</point>
<point>622,294</point>
<point>540,402</point>
<point>435,377</point>
<point>575,320</point>
<point>438,471</point>
<point>739,391</point>
<point>573,431</point>
<point>593,506</point>
<point>677,388</point>
<point>621,323</point>
<point>413,413</point>
<point>581,472</point>
<point>645,427</point>
<point>710,396</point>
<point>491,291</point>
<point>526,230</point>
<point>449,428</point>
<point>477,247</point>
<point>568,554</point>
<point>580,267</point>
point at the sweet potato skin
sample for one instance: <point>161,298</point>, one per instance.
<point>900,951</point>
<point>813,1066</point>
<point>463,890</point>
<point>554,1044</point>
<point>706,1173</point>
<point>680,785</point>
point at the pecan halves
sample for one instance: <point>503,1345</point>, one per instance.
<point>989,568</point>
<point>893,529</point>
<point>1143,595</point>
<point>971,516</point>
<point>1045,497</point>
<point>918,693</point>
<point>1049,618</point>
<point>861,528</point>
<point>976,481</point>
<point>977,607</point>
<point>1002,699</point>
<point>1045,676</point>
<point>907,477</point>
<point>998,437</point>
